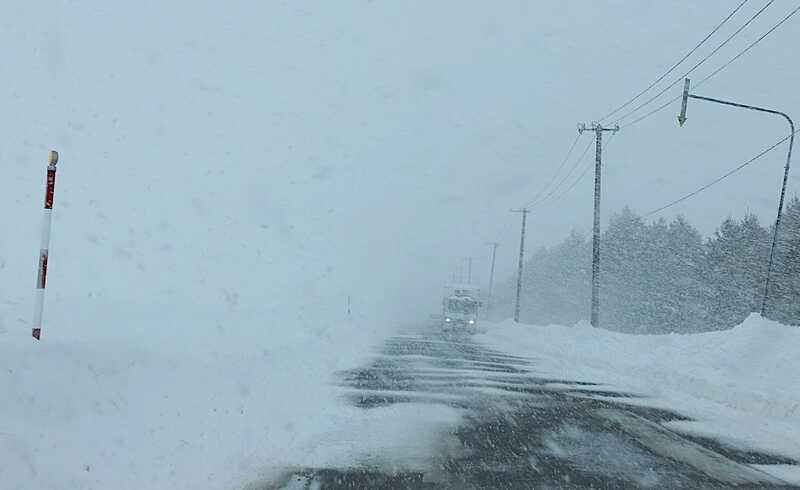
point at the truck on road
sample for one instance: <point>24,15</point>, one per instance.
<point>460,308</point>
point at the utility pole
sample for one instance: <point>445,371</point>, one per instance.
<point>524,212</point>
<point>598,132</point>
<point>469,270</point>
<point>491,278</point>
<point>682,120</point>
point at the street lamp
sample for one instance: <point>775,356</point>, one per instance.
<point>682,120</point>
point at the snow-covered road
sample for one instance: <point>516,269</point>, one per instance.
<point>486,419</point>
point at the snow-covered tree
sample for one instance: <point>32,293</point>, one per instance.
<point>736,260</point>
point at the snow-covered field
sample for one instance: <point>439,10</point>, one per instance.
<point>77,415</point>
<point>738,385</point>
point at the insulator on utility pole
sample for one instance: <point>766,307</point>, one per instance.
<point>598,131</point>
<point>41,279</point>
<point>524,212</point>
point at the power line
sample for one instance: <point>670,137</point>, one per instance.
<point>728,63</point>
<point>575,182</point>
<point>558,170</point>
<point>583,174</point>
<point>745,50</point>
<point>719,179</point>
<point>672,68</point>
<point>586,169</point>
<point>697,65</point>
<point>535,203</point>
<point>657,109</point>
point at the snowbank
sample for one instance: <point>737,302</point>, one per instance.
<point>738,385</point>
<point>110,416</point>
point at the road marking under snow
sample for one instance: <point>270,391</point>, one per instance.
<point>669,444</point>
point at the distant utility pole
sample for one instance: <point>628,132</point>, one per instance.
<point>682,120</point>
<point>491,278</point>
<point>524,212</point>
<point>469,270</point>
<point>598,132</point>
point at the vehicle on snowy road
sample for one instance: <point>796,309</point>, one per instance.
<point>460,309</point>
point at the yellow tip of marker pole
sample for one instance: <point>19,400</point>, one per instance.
<point>52,158</point>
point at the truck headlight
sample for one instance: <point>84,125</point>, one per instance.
<point>447,320</point>
<point>471,322</point>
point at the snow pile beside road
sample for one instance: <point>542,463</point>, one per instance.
<point>109,416</point>
<point>738,385</point>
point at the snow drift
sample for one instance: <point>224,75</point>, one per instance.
<point>111,416</point>
<point>738,385</point>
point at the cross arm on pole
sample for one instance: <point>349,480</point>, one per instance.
<point>596,127</point>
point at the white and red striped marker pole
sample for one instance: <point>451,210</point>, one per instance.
<point>41,280</point>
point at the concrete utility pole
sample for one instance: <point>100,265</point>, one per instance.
<point>524,212</point>
<point>598,131</point>
<point>682,120</point>
<point>491,278</point>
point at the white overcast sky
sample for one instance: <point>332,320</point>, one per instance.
<point>353,144</point>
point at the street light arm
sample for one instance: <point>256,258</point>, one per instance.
<point>682,120</point>
<point>745,106</point>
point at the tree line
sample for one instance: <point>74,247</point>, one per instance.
<point>660,276</point>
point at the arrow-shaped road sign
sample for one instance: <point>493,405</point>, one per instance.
<point>682,116</point>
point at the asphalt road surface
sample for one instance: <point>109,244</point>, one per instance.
<point>520,430</point>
